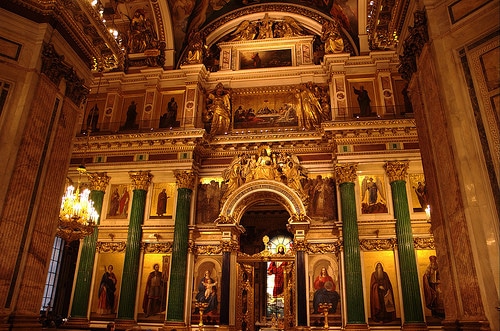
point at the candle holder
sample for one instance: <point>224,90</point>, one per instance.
<point>325,307</point>
<point>201,308</point>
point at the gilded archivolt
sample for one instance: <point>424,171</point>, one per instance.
<point>110,247</point>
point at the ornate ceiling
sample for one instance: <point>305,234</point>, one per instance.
<point>103,30</point>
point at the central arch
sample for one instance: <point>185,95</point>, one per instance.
<point>257,191</point>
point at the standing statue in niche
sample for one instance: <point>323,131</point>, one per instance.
<point>363,101</point>
<point>92,118</point>
<point>169,119</point>
<point>131,116</point>
<point>219,106</point>
<point>161,206</point>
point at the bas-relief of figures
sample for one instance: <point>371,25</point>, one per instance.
<point>141,35</point>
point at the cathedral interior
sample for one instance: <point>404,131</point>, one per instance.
<point>250,165</point>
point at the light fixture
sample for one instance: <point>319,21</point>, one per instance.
<point>428,213</point>
<point>78,217</point>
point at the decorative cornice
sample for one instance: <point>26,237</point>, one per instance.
<point>110,247</point>
<point>377,244</point>
<point>140,179</point>
<point>185,179</point>
<point>98,181</point>
<point>346,173</point>
<point>396,170</point>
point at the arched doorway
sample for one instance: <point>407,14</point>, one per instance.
<point>269,213</point>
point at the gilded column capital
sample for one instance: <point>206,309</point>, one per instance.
<point>300,245</point>
<point>140,179</point>
<point>185,179</point>
<point>229,246</point>
<point>346,173</point>
<point>98,181</point>
<point>396,170</point>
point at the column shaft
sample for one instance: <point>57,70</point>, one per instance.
<point>353,277</point>
<point>412,303</point>
<point>132,257</point>
<point>79,308</point>
<point>225,288</point>
<point>175,309</point>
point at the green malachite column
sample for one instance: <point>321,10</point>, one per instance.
<point>177,287</point>
<point>126,306</point>
<point>79,308</point>
<point>413,312</point>
<point>346,175</point>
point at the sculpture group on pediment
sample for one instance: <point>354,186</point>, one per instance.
<point>267,28</point>
<point>265,165</point>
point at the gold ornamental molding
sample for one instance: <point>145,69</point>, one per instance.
<point>98,181</point>
<point>209,249</point>
<point>110,247</point>
<point>323,248</point>
<point>140,179</point>
<point>157,247</point>
<point>397,170</point>
<point>185,179</point>
<point>424,243</point>
<point>377,244</point>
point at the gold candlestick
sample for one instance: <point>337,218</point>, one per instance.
<point>201,308</point>
<point>325,307</point>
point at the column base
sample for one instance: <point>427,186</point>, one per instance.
<point>175,326</point>
<point>414,327</point>
<point>77,323</point>
<point>121,325</point>
<point>24,322</point>
<point>465,326</point>
<point>357,327</point>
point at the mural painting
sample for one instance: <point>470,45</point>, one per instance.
<point>324,298</point>
<point>153,294</point>
<point>381,287</point>
<point>373,194</point>
<point>163,198</point>
<point>107,283</point>
<point>119,201</point>
<point>206,292</point>
<point>430,285</point>
<point>418,195</point>
<point>265,59</point>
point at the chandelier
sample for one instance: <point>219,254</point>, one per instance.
<point>78,217</point>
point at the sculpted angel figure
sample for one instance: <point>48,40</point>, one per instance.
<point>246,31</point>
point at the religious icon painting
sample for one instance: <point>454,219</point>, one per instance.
<point>108,278</point>
<point>119,201</point>
<point>383,296</point>
<point>418,193</point>
<point>373,194</point>
<point>324,290</point>
<point>153,293</point>
<point>207,294</point>
<point>162,202</point>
